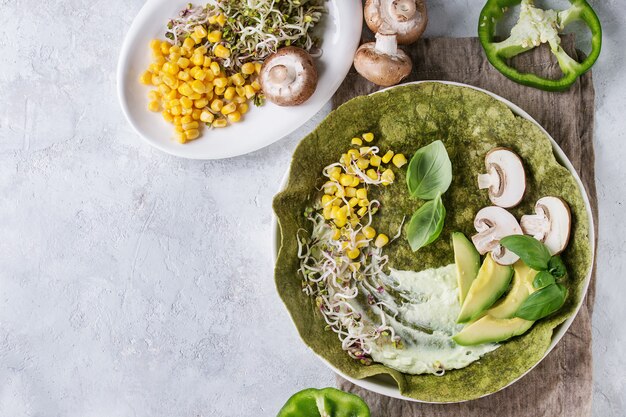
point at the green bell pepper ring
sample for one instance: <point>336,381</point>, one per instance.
<point>327,402</point>
<point>534,27</point>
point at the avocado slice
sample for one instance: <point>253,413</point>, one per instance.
<point>498,323</point>
<point>490,329</point>
<point>492,281</point>
<point>467,261</point>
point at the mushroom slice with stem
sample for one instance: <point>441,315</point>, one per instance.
<point>505,177</point>
<point>551,223</point>
<point>381,62</point>
<point>407,18</point>
<point>288,76</point>
<point>492,224</point>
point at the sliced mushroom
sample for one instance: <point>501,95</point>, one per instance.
<point>492,224</point>
<point>505,177</point>
<point>551,224</point>
<point>407,18</point>
<point>381,62</point>
<point>288,77</point>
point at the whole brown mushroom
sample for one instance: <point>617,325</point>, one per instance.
<point>381,62</point>
<point>288,77</point>
<point>407,18</point>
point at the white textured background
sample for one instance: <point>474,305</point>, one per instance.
<point>133,283</point>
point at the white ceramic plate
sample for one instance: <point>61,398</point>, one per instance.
<point>384,384</point>
<point>262,126</point>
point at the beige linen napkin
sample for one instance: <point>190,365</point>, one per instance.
<point>562,384</point>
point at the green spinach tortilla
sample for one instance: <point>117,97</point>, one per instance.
<point>403,119</point>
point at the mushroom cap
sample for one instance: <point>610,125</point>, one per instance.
<point>492,224</point>
<point>407,18</point>
<point>379,67</point>
<point>551,224</point>
<point>288,77</point>
<point>505,177</point>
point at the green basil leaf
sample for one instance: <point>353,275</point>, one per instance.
<point>429,172</point>
<point>556,267</point>
<point>542,303</point>
<point>426,224</point>
<point>534,253</point>
<point>542,280</point>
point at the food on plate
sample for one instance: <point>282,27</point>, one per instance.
<point>534,27</point>
<point>505,178</point>
<point>406,18</point>
<point>551,223</point>
<point>381,62</point>
<point>326,402</point>
<point>288,77</point>
<point>207,71</point>
<point>441,316</point>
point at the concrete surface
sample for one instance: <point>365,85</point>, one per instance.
<point>133,283</point>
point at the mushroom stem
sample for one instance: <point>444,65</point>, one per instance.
<point>536,225</point>
<point>280,74</point>
<point>403,10</point>
<point>489,180</point>
<point>485,241</point>
<point>386,43</point>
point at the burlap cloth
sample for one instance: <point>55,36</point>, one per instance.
<point>562,384</point>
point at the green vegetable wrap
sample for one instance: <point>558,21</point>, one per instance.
<point>534,27</point>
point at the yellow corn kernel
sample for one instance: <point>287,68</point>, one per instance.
<point>340,192</point>
<point>353,253</point>
<point>221,51</point>
<point>195,96</point>
<point>216,105</point>
<point>185,119</point>
<point>353,202</point>
<point>175,49</point>
<point>206,116</point>
<point>219,123</point>
<point>183,62</point>
<point>207,62</point>
<point>247,68</point>
<point>334,173</point>
<point>346,180</point>
<point>170,81</point>
<point>171,68</point>
<point>375,160</point>
<point>354,154</point>
<point>167,116</point>
<point>362,211</point>
<point>372,174</point>
<point>197,59</point>
<point>172,95</point>
<point>178,128</point>
<point>238,79</point>
<point>249,91</point>
<point>198,87</point>
<point>185,89</point>
<point>368,137</point>
<point>240,100</point>
<point>355,181</point>
<point>356,141</point>
<point>326,212</point>
<point>330,187</point>
<point>220,19</point>
<point>156,80</point>
<point>361,193</point>
<point>243,108</point>
<point>188,43</point>
<point>369,232</point>
<point>234,117</point>
<point>364,203</point>
<point>201,103</point>
<point>200,31</point>
<point>327,200</point>
<point>195,38</point>
<point>350,192</point>
<point>362,163</point>
<point>214,36</point>
<point>221,82</point>
<point>154,106</point>
<point>219,91</point>
<point>160,60</point>
<point>173,102</point>
<point>229,108</point>
<point>178,121</point>
<point>163,89</point>
<point>146,78</point>
<point>176,110</point>
<point>181,137</point>
<point>195,114</point>
<point>399,160</point>
<point>196,72</point>
<point>241,92</point>
<point>230,93</point>
<point>388,157</point>
<point>184,76</point>
<point>192,134</point>
<point>256,86</point>
<point>257,67</point>
<point>381,240</point>
<point>174,56</point>
<point>190,126</point>
<point>186,102</point>
<point>215,68</point>
<point>185,111</point>
<point>208,76</point>
<point>155,44</point>
<point>154,95</point>
<point>336,234</point>
<point>387,177</point>
<point>202,50</point>
<point>165,47</point>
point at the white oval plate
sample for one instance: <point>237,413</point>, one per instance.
<point>384,384</point>
<point>262,126</point>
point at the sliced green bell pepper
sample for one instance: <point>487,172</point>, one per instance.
<point>327,402</point>
<point>534,27</point>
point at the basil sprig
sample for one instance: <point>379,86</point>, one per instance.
<point>550,295</point>
<point>429,172</point>
<point>428,176</point>
<point>426,224</point>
